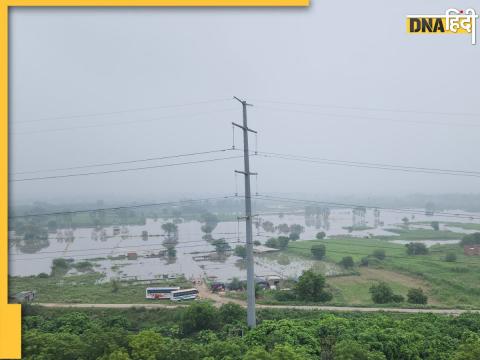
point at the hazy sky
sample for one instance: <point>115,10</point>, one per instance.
<point>71,62</point>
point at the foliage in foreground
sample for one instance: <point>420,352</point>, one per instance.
<point>202,332</point>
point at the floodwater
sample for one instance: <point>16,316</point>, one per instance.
<point>86,243</point>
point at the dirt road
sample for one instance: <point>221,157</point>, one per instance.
<point>218,300</point>
<point>296,307</point>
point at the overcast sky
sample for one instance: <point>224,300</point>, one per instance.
<point>66,63</point>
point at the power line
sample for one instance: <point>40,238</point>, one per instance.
<point>179,202</point>
<point>121,162</point>
<point>123,111</point>
<point>122,170</point>
<point>355,117</point>
<point>399,210</point>
<point>369,108</point>
<point>368,165</point>
<point>122,122</point>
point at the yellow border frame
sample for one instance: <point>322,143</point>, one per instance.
<point>10,314</point>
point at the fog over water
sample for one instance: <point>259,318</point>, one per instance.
<point>93,86</point>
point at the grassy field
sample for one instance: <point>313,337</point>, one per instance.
<point>449,284</point>
<point>84,289</point>
<point>466,226</point>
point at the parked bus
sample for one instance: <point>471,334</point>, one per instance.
<point>184,294</point>
<point>158,293</point>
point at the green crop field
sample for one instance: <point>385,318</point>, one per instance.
<point>449,284</point>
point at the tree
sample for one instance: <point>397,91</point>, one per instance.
<point>267,226</point>
<point>353,350</point>
<point>121,354</point>
<point>171,252</point>
<point>148,345</point>
<point>416,296</point>
<point>236,284</point>
<point>471,239</point>
<point>381,293</point>
<point>379,254</point>
<point>469,350</point>
<point>61,346</point>
<point>210,223</point>
<point>283,228</point>
<point>406,221</point>
<point>171,230</point>
<point>231,313</point>
<point>347,262</point>
<point>416,248</point>
<point>199,316</point>
<point>321,235</point>
<point>310,287</point>
<point>318,251</point>
<point>297,229</point>
<point>435,225</point>
<point>294,236</point>
<point>240,251</point>
<point>221,246</point>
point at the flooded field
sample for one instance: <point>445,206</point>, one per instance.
<point>107,248</point>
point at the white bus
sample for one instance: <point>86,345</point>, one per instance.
<point>158,293</point>
<point>184,294</point>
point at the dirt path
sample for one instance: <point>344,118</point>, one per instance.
<point>205,293</point>
<point>296,307</point>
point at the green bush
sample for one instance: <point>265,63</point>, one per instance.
<point>347,262</point>
<point>379,254</point>
<point>318,251</point>
<point>416,248</point>
<point>416,296</point>
<point>382,293</point>
<point>451,257</point>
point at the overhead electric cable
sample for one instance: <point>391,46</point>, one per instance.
<point>123,170</point>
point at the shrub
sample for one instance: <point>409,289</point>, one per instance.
<point>379,254</point>
<point>236,284</point>
<point>435,225</point>
<point>241,251</point>
<point>416,248</point>
<point>321,235</point>
<point>416,296</point>
<point>285,295</point>
<point>396,298</point>
<point>278,243</point>
<point>381,293</point>
<point>318,251</point>
<point>347,262</point>
<point>451,257</point>
<point>115,285</point>
<point>364,261</point>
<point>42,275</point>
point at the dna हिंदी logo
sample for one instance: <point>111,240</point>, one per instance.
<point>452,22</point>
